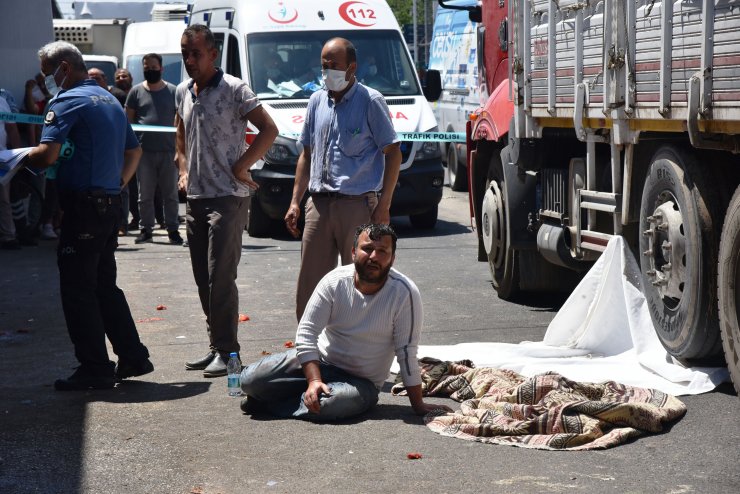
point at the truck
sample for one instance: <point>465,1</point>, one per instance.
<point>291,34</point>
<point>614,118</point>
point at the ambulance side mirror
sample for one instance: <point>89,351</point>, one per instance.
<point>433,85</point>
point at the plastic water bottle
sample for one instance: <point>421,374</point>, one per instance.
<point>234,370</point>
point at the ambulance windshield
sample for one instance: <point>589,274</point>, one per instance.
<point>287,65</point>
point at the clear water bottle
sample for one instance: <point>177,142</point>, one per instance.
<point>234,369</point>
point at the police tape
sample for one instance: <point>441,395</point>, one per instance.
<point>434,136</point>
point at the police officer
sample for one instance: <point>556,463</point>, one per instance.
<point>87,131</point>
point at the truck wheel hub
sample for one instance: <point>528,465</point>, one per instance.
<point>494,225</point>
<point>665,257</point>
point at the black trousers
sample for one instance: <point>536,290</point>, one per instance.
<point>94,307</point>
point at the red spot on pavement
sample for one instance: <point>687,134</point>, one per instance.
<point>243,317</point>
<point>413,456</point>
<point>161,307</point>
<point>288,344</point>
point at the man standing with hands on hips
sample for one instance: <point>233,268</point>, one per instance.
<point>213,110</point>
<point>86,129</point>
<point>349,164</point>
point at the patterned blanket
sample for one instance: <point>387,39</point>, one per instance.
<point>546,411</point>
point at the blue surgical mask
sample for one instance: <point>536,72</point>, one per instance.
<point>51,83</point>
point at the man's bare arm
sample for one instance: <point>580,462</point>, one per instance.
<point>390,177</point>
<point>302,172</point>
<point>267,133</point>
<point>131,159</point>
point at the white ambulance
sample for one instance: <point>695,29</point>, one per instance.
<point>162,37</point>
<point>453,52</point>
<point>275,46</point>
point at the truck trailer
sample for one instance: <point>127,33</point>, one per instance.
<point>614,118</point>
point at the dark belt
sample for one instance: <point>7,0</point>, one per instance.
<point>339,195</point>
<point>94,196</point>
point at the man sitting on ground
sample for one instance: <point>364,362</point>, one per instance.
<point>357,319</point>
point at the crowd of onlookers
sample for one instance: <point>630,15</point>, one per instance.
<point>13,230</point>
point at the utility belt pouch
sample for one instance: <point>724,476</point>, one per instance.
<point>100,200</point>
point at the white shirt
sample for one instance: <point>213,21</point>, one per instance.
<point>360,333</point>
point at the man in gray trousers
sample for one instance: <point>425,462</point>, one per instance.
<point>153,103</point>
<point>213,111</point>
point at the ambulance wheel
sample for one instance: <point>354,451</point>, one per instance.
<point>258,223</point>
<point>456,172</point>
<point>728,294</point>
<point>425,220</point>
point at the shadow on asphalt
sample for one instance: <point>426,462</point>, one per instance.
<point>538,302</point>
<point>146,392</point>
<point>402,225</point>
<point>381,411</point>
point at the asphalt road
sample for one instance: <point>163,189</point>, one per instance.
<point>176,432</point>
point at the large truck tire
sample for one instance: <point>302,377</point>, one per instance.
<point>258,223</point>
<point>728,294</point>
<point>678,245</point>
<point>502,258</point>
<point>456,172</point>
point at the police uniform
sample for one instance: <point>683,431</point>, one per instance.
<point>94,132</point>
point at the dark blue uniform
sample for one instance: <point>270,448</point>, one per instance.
<point>94,131</point>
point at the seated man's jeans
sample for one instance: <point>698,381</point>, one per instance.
<point>275,385</point>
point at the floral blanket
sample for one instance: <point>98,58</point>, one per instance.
<point>546,411</point>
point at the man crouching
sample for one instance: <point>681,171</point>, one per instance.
<point>357,319</point>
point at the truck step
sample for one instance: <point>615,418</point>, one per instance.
<point>593,240</point>
<point>608,202</point>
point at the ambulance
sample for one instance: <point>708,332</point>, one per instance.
<point>275,47</point>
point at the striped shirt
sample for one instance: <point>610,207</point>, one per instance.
<point>360,333</point>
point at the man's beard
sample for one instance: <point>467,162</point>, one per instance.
<point>372,276</point>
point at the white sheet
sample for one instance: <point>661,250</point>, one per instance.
<point>603,332</point>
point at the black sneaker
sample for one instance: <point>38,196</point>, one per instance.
<point>146,236</point>
<point>126,369</point>
<point>82,380</point>
<point>175,237</point>
<point>12,244</point>
<point>251,406</point>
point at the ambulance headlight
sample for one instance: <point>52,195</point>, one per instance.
<point>283,151</point>
<point>428,150</point>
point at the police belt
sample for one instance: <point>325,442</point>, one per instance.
<point>94,196</point>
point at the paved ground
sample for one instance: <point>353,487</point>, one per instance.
<point>176,432</point>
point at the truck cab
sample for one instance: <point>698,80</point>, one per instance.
<point>275,48</point>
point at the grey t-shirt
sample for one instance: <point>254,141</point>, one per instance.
<point>154,108</point>
<point>215,125</point>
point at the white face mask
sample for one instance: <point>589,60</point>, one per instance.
<point>372,70</point>
<point>37,94</point>
<point>334,80</point>
<point>51,83</point>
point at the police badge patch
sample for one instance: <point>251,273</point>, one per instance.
<point>49,118</point>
